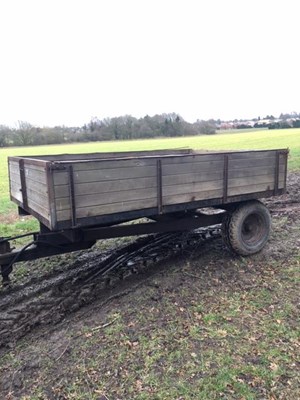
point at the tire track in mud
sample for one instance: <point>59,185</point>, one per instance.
<point>48,300</point>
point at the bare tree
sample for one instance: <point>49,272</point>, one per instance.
<point>24,133</point>
<point>4,130</point>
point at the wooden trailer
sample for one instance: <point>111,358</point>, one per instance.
<point>81,198</point>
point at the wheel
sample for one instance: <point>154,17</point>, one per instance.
<point>246,230</point>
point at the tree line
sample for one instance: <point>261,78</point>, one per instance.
<point>118,128</point>
<point>128,127</point>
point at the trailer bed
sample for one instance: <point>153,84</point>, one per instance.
<point>70,191</point>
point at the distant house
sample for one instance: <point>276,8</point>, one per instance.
<point>227,125</point>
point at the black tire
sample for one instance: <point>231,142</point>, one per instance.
<point>225,230</point>
<point>247,229</point>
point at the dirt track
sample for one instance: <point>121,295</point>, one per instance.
<point>50,298</point>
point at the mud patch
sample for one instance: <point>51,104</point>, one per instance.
<point>204,321</point>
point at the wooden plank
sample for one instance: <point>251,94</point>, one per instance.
<point>15,178</point>
<point>39,181</point>
<point>18,196</point>
<point>250,163</point>
<point>38,197</point>
<point>106,187</point>
<point>191,172</point>
<point>197,167</point>
<point>39,209</point>
<point>15,191</point>
<point>35,175</point>
<point>15,186</point>
<point>34,161</point>
<point>103,164</point>
<point>114,174</point>
<point>252,155</point>
<point>190,197</point>
<point>192,177</point>
<point>14,167</point>
<point>37,186</point>
<point>195,158</point>
<point>240,190</point>
<point>116,207</point>
<point>104,155</point>
<point>251,180</point>
<point>89,200</point>
<point>197,187</point>
<point>60,178</point>
<point>107,209</point>
<point>33,167</point>
<point>62,191</point>
<point>62,204</point>
<point>255,171</point>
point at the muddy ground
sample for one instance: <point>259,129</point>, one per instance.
<point>199,323</point>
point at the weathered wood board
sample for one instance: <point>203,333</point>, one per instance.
<point>79,190</point>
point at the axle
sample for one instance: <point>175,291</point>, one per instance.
<point>47,243</point>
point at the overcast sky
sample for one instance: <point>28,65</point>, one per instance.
<point>65,61</point>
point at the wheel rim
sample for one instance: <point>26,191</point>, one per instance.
<point>253,229</point>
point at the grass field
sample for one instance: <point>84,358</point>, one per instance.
<point>203,325</point>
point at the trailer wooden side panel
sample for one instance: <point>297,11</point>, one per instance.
<point>29,187</point>
<point>37,189</point>
<point>198,177</point>
<point>255,172</point>
<point>106,187</point>
<point>15,181</point>
<point>67,191</point>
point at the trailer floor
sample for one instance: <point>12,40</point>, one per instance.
<point>202,325</point>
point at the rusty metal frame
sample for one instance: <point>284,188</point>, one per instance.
<point>177,225</point>
<point>48,243</point>
<point>41,250</point>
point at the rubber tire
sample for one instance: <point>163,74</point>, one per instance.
<point>247,229</point>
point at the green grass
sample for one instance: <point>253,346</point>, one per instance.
<point>264,139</point>
<point>241,344</point>
<point>19,227</point>
<point>231,334</point>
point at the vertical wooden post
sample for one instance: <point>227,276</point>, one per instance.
<point>276,173</point>
<point>72,196</point>
<point>23,184</point>
<point>159,186</point>
<point>225,178</point>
